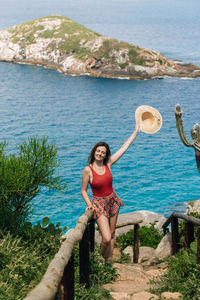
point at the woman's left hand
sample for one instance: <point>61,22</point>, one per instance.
<point>137,128</point>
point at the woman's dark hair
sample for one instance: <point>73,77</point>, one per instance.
<point>108,153</point>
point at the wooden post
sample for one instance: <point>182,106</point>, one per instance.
<point>136,243</point>
<point>189,234</point>
<point>198,245</point>
<point>84,260</point>
<point>92,234</point>
<point>175,235</point>
<point>68,280</point>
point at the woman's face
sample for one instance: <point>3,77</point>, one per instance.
<point>100,153</point>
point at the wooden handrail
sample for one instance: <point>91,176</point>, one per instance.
<point>185,217</point>
<point>123,224</point>
<point>188,231</point>
<point>59,277</point>
<point>47,288</point>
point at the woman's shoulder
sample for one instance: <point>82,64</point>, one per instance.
<point>87,170</point>
<point>109,164</point>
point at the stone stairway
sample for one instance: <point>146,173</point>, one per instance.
<point>133,282</point>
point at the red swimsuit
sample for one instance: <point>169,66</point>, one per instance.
<point>105,201</point>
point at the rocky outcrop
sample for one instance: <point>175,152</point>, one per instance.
<point>60,43</point>
<point>193,207</point>
<point>150,255</point>
<point>149,218</point>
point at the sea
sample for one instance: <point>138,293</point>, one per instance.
<point>157,173</point>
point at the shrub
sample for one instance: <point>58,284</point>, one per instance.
<point>21,178</point>
<point>183,275</point>
<point>149,236</point>
<point>99,275</point>
<point>23,260</point>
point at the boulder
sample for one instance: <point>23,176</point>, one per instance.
<point>164,248</point>
<point>144,296</point>
<point>193,207</point>
<point>145,253</point>
<point>149,218</point>
<point>120,296</point>
<point>129,250</point>
<point>170,296</point>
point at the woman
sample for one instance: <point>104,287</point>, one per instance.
<point>105,201</point>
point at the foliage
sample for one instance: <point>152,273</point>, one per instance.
<point>123,65</point>
<point>23,260</point>
<point>99,275</point>
<point>183,275</point>
<point>149,236</point>
<point>21,178</point>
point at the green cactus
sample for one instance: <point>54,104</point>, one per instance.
<point>195,133</point>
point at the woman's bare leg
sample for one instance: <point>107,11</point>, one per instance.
<point>104,226</point>
<point>107,228</point>
<point>113,222</point>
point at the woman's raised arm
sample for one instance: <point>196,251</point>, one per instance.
<point>124,147</point>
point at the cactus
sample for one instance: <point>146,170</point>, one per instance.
<point>195,134</point>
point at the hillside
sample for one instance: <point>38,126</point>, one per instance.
<point>60,43</point>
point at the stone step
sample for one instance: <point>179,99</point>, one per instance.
<point>133,282</point>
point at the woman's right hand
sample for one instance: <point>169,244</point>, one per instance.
<point>90,207</point>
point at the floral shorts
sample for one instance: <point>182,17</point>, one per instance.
<point>107,206</point>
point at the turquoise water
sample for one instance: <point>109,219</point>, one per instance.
<point>157,173</point>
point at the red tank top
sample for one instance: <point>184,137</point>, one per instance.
<point>101,184</point>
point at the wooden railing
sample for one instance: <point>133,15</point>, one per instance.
<point>188,232</point>
<point>58,280</point>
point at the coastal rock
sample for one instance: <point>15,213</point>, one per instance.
<point>59,43</point>
<point>145,253</point>
<point>170,295</point>
<point>144,296</point>
<point>162,251</point>
<point>149,218</point>
<point>193,207</point>
<point>164,248</point>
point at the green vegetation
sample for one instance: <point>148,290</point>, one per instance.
<point>123,65</point>
<point>183,273</point>
<point>22,177</point>
<point>26,249</point>
<point>99,275</point>
<point>24,258</point>
<point>149,236</point>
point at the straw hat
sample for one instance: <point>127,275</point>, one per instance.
<point>149,118</point>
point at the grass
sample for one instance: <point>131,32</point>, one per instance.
<point>183,273</point>
<point>25,258</point>
<point>99,275</point>
<point>22,264</point>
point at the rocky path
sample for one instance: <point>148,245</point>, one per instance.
<point>133,282</point>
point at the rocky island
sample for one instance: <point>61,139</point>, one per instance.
<point>60,43</point>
